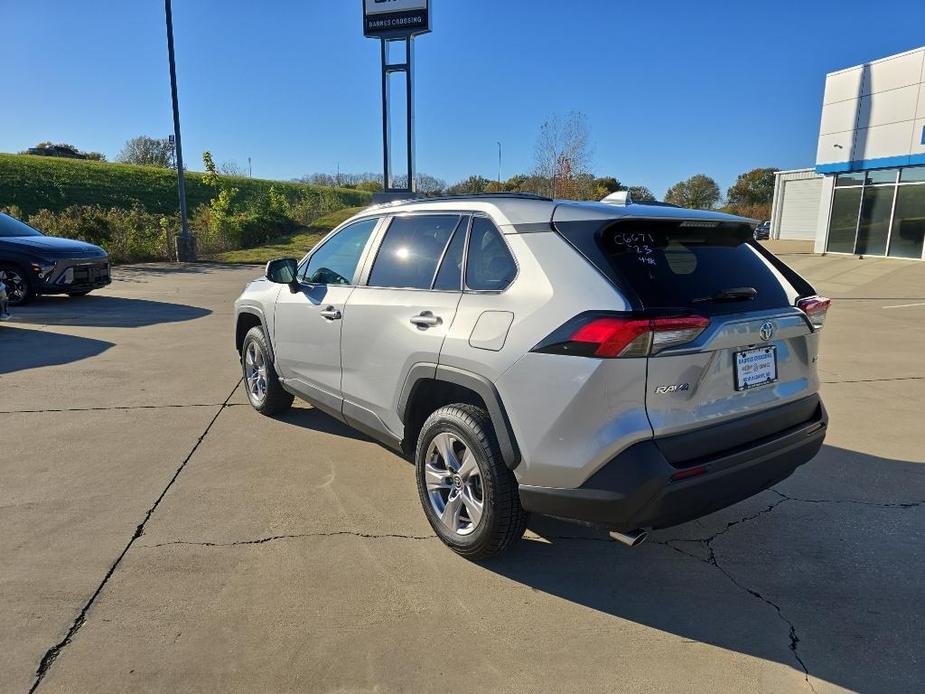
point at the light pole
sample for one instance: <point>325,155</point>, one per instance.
<point>186,244</point>
<point>499,163</point>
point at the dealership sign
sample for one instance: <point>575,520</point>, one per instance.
<point>395,18</point>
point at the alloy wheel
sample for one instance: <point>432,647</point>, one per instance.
<point>454,484</point>
<point>15,285</point>
<point>255,373</point>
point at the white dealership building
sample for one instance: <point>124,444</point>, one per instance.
<point>866,194</point>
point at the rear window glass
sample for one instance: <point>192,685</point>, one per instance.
<point>707,270</point>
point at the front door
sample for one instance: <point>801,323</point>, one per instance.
<point>307,335</point>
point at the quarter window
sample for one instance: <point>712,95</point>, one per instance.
<point>336,261</point>
<point>489,266</point>
<point>411,250</point>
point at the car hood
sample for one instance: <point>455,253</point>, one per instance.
<point>53,247</point>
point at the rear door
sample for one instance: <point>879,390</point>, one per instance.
<point>758,351</point>
<point>400,315</point>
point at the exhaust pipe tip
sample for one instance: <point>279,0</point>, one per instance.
<point>634,538</point>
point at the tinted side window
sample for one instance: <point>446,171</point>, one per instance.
<point>410,251</point>
<point>336,261</point>
<point>450,275</point>
<point>490,265</point>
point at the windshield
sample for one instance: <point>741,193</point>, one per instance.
<point>10,227</point>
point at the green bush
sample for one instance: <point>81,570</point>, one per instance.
<point>133,219</point>
<point>129,236</point>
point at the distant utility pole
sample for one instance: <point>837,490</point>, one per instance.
<point>186,244</point>
<point>499,163</point>
<point>250,170</point>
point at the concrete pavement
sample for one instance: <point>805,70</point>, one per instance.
<point>159,535</point>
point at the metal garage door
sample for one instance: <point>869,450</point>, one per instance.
<point>800,211</point>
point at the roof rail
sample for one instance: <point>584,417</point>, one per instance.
<point>468,196</point>
<point>464,196</point>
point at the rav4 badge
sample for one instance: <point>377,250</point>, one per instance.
<point>679,388</point>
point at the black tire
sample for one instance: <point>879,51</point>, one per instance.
<point>82,292</point>
<point>18,285</point>
<point>274,399</point>
<point>503,520</point>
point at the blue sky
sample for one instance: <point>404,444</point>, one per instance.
<point>670,88</point>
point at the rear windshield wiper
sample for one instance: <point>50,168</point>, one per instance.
<point>735,294</point>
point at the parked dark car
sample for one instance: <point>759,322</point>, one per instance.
<point>763,231</point>
<point>32,263</point>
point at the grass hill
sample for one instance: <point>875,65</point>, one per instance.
<point>291,245</point>
<point>33,183</point>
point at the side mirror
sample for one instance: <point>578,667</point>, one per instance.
<point>282,270</point>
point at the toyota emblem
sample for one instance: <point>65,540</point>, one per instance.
<point>767,330</point>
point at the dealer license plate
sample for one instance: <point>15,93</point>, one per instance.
<point>755,367</point>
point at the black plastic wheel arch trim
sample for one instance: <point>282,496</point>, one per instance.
<point>480,385</point>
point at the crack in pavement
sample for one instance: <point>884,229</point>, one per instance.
<point>713,561</point>
<point>367,536</point>
<point>876,380</point>
<point>876,504</point>
<point>52,653</point>
<point>296,536</point>
<point>121,408</point>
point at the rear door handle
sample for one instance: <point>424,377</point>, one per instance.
<point>426,319</point>
<point>331,313</point>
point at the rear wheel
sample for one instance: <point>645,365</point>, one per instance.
<point>18,286</point>
<point>264,391</point>
<point>469,495</point>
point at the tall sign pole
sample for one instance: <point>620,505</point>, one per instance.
<point>395,23</point>
<point>186,243</point>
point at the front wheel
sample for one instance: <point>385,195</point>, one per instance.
<point>469,495</point>
<point>18,286</point>
<point>264,391</point>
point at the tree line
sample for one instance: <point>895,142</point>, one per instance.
<point>562,169</point>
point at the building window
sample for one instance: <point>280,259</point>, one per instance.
<point>881,176</point>
<point>849,179</point>
<point>874,224</point>
<point>914,175</point>
<point>879,212</point>
<point>843,226</point>
<point>909,221</point>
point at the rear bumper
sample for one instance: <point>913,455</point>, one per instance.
<point>637,488</point>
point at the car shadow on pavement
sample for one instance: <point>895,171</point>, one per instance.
<point>22,348</point>
<point>820,581</point>
<point>308,417</point>
<point>100,311</point>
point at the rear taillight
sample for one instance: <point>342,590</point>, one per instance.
<point>815,308</point>
<point>609,336</point>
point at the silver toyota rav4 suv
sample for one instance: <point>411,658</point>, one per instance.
<point>622,365</point>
